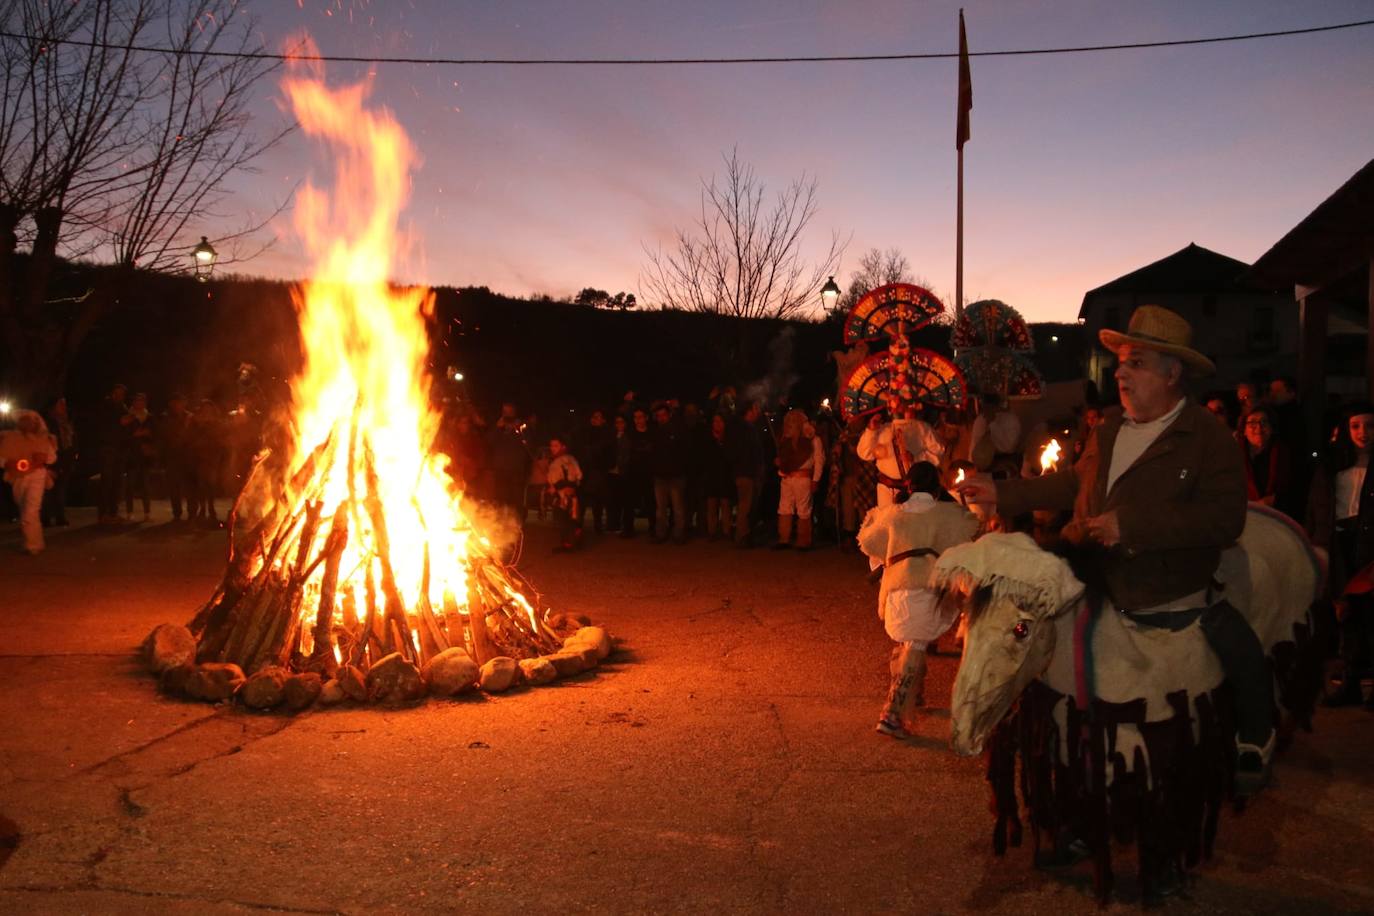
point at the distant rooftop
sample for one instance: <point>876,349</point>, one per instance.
<point>1193,269</point>
<point>1333,242</point>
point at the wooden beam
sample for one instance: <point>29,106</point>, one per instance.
<point>1312,343</point>
<point>1369,337</point>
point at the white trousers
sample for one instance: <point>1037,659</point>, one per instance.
<point>28,496</point>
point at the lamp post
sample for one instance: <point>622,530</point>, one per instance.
<point>830,294</point>
<point>205,255</point>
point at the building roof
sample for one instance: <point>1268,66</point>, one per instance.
<point>1193,269</point>
<point>1332,242</point>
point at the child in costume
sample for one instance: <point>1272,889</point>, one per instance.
<point>564,480</point>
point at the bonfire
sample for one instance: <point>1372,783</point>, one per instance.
<point>356,568</point>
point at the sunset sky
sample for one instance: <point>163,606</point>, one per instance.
<point>1080,167</point>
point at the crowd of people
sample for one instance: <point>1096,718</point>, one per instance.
<point>738,470</point>
<point>723,469</point>
<point>684,470</point>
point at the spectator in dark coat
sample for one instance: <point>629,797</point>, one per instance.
<point>510,465</point>
<point>471,459</point>
<point>746,445</point>
<point>1289,426</point>
<point>111,437</point>
<point>668,465</point>
<point>140,455</point>
<point>596,453</point>
<point>1269,477</point>
<point>622,516</point>
<point>55,499</point>
<point>639,475</point>
<point>696,434</point>
<point>718,480</point>
<point>175,435</point>
<point>208,448</point>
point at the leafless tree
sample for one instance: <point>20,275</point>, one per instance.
<point>107,149</point>
<point>877,268</point>
<point>740,258</point>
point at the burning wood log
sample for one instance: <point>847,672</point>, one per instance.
<point>324,613</point>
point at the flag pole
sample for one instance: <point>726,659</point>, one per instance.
<point>959,243</point>
<point>961,132</point>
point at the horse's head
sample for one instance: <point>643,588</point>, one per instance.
<point>1011,590</point>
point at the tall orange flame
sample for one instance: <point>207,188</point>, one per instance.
<point>363,419</point>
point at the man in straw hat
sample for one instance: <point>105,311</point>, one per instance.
<point>1161,488</point>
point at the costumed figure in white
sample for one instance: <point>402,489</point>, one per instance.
<point>904,538</point>
<point>26,451</point>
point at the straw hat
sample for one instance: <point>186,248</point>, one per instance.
<point>1157,328</point>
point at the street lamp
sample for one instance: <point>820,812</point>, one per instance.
<point>205,255</point>
<point>830,294</point>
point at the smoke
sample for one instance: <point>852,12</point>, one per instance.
<point>497,524</point>
<point>781,375</point>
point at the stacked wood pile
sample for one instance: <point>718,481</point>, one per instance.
<point>288,625</point>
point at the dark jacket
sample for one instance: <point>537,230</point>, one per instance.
<point>718,473</point>
<point>1270,475</point>
<point>175,433</point>
<point>641,452</point>
<point>745,442</point>
<point>1178,506</point>
<point>596,448</point>
<point>669,455</point>
<point>109,432</point>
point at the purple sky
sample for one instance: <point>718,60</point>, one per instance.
<point>1080,167</point>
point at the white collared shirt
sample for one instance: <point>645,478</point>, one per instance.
<point>1134,438</point>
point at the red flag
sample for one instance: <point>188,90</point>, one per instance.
<point>965,88</point>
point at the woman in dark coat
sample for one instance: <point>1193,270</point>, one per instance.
<point>718,480</point>
<point>1269,477</point>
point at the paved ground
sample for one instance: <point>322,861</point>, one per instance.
<point>726,762</point>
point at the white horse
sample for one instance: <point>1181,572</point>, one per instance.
<point>1122,730</point>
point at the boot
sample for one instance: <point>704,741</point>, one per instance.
<point>906,691</point>
<point>804,534</point>
<point>784,532</point>
<point>916,668</point>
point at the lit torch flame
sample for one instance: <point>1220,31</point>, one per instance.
<point>1049,458</point>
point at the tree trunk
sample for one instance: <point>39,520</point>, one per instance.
<point>10,326</point>
<point>49,222</point>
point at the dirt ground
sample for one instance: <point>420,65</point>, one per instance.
<point>725,761</point>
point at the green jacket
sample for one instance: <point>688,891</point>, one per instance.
<point>1178,506</point>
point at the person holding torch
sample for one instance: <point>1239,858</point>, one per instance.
<point>26,451</point>
<point>1160,491</point>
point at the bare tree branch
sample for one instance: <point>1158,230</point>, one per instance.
<point>879,268</point>
<point>741,258</point>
